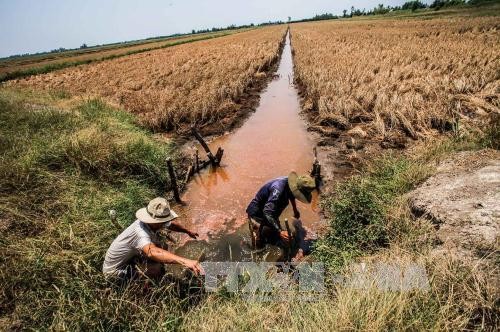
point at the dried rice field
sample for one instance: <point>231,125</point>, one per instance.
<point>96,53</point>
<point>388,80</point>
<point>171,89</point>
<point>394,79</point>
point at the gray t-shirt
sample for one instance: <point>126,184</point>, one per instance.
<point>128,245</point>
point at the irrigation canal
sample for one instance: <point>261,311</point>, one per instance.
<point>272,142</point>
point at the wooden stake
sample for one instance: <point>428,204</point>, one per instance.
<point>218,155</point>
<point>289,239</point>
<point>173,181</point>
<point>316,169</point>
<point>112,215</point>
<point>252,237</point>
<point>204,145</point>
<point>197,162</point>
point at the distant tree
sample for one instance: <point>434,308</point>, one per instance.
<point>437,4</point>
<point>358,12</point>
<point>380,9</point>
<point>84,45</point>
<point>480,2</point>
<point>57,50</point>
<point>345,13</point>
<point>325,16</point>
<point>352,10</point>
<point>413,5</point>
<point>289,19</point>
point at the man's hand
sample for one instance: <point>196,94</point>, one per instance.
<point>296,214</point>
<point>177,227</point>
<point>284,236</point>
<point>194,266</point>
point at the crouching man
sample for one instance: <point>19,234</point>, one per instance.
<point>270,201</point>
<point>138,246</point>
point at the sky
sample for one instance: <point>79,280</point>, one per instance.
<point>30,26</point>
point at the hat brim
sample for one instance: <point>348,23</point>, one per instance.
<point>305,198</point>
<point>143,215</point>
<point>301,196</point>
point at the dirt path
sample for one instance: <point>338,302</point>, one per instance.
<point>271,143</point>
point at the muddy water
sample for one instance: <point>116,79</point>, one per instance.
<point>271,143</point>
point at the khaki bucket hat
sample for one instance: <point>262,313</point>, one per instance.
<point>301,186</point>
<point>158,211</point>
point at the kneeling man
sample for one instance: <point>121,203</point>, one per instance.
<point>270,201</point>
<point>139,244</point>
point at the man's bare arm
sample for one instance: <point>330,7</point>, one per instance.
<point>163,256</point>
<point>176,227</point>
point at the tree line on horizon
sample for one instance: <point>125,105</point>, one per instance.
<point>193,32</point>
<point>381,9</point>
<point>378,10</point>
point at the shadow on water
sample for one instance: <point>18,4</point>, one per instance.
<point>271,143</point>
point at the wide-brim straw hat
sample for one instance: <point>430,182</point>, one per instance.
<point>158,211</point>
<point>301,186</point>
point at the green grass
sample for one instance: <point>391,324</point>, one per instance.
<point>61,170</point>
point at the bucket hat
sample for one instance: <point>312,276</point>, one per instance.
<point>157,211</point>
<point>301,186</point>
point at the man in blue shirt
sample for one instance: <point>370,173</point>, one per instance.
<point>270,201</point>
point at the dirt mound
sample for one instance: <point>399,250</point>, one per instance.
<point>463,200</point>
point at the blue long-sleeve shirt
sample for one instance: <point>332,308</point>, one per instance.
<point>270,201</point>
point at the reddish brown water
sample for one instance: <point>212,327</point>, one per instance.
<point>271,143</point>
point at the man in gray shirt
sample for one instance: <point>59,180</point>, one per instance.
<point>140,240</point>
